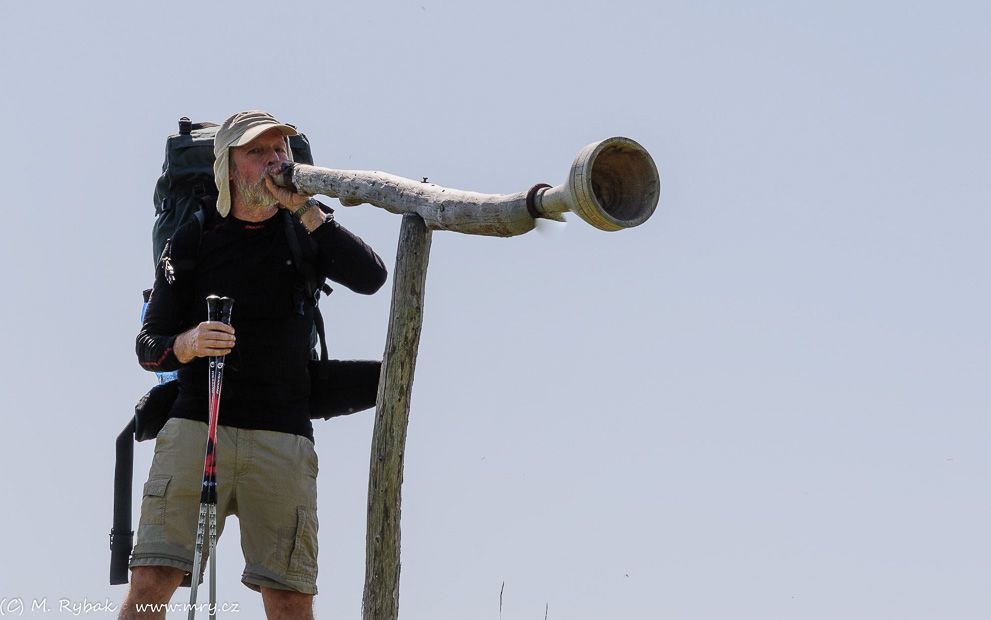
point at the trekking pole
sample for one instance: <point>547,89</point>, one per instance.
<point>217,308</point>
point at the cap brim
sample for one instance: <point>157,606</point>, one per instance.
<point>258,130</point>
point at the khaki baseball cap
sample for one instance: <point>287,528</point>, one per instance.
<point>238,130</point>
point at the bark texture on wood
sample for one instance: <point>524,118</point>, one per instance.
<point>382,566</point>
<point>500,215</point>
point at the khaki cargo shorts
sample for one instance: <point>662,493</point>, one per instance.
<point>267,479</point>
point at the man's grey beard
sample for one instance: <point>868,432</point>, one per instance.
<point>253,194</point>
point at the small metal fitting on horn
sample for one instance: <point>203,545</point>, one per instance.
<point>531,195</point>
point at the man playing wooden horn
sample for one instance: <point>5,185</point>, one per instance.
<point>267,467</point>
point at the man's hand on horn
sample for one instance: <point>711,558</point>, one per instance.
<point>287,199</point>
<point>308,213</point>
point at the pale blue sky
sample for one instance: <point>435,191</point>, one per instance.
<point>767,402</point>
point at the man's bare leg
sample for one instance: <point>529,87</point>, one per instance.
<point>287,605</point>
<point>150,584</point>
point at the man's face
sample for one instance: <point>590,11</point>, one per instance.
<point>249,165</point>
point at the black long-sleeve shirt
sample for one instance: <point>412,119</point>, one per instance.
<point>265,382</point>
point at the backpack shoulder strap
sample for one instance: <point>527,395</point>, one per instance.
<point>292,237</point>
<point>181,249</point>
<point>304,255</point>
<point>308,284</point>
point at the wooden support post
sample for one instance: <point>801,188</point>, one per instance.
<point>385,479</point>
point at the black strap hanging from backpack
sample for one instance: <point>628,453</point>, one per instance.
<point>121,535</point>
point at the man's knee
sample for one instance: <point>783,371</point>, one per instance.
<point>155,583</point>
<point>287,604</point>
<point>150,584</point>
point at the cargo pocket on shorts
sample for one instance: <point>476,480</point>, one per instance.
<point>153,509</point>
<point>153,498</point>
<point>303,559</point>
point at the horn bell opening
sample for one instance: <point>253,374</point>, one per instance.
<point>614,184</point>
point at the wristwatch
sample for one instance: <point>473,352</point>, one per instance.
<point>309,204</point>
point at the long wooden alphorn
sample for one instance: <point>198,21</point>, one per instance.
<point>613,184</point>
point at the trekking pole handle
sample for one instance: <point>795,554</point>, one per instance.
<point>213,308</point>
<point>226,305</point>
